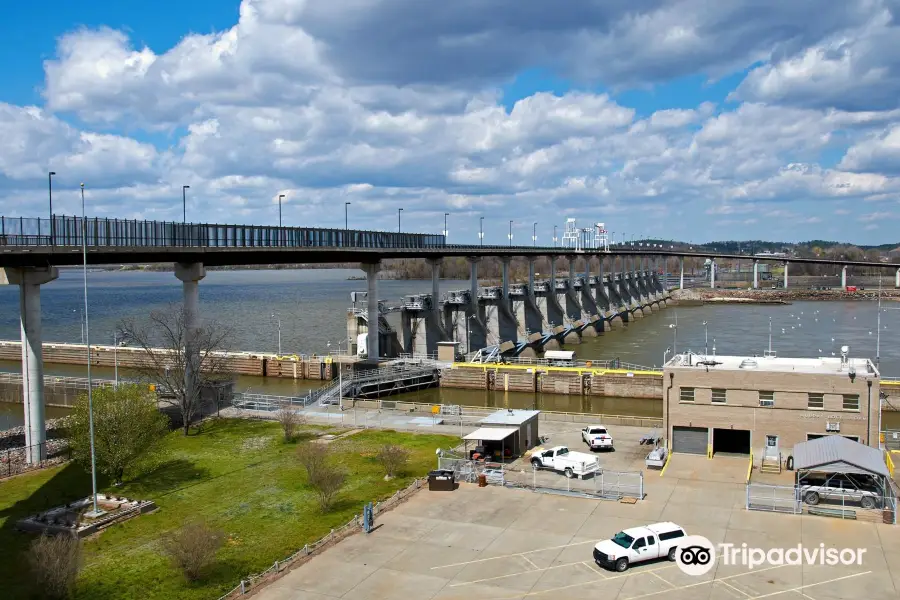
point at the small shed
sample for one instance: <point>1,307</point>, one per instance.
<point>525,423</point>
<point>837,454</point>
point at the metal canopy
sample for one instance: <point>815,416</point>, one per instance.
<point>837,454</point>
<point>510,417</point>
<point>491,434</point>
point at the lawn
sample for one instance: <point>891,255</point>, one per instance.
<point>237,475</point>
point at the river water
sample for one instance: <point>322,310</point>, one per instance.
<point>312,306</point>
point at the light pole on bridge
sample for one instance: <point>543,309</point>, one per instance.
<point>184,203</point>
<point>481,230</point>
<point>510,232</point>
<point>399,212</point>
<point>50,191</point>
<point>280,196</point>
<point>534,235</point>
<point>446,214</point>
<point>346,218</point>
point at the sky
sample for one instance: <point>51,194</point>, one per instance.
<point>667,119</point>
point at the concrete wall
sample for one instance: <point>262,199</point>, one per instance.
<point>790,418</point>
<point>239,363</point>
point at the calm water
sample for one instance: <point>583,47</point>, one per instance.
<point>312,305</point>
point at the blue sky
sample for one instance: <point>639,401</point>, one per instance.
<point>669,119</point>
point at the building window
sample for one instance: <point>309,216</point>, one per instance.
<point>767,399</point>
<point>851,402</point>
<point>718,396</point>
<point>816,401</point>
<point>687,395</point>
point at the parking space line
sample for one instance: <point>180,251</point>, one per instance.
<point>738,590</point>
<point>530,562</point>
<point>809,585</point>
<point>480,560</point>
<point>495,578</point>
<point>669,583</point>
<point>594,569</point>
<point>699,583</point>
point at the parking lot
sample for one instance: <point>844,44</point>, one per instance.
<point>502,543</point>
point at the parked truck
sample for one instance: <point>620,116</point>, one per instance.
<point>561,460</point>
<point>660,540</point>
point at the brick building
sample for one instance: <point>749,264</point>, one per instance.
<point>732,404</point>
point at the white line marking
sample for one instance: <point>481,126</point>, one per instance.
<point>740,591</point>
<point>594,570</point>
<point>479,560</point>
<point>514,574</point>
<point>530,562</point>
<point>699,583</point>
<point>668,583</point>
<point>808,585</point>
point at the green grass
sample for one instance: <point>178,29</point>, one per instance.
<point>238,475</point>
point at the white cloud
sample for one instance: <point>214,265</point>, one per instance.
<point>390,104</point>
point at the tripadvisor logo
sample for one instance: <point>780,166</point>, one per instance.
<point>696,555</point>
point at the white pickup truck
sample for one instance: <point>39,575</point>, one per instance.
<point>572,464</point>
<point>597,437</point>
<point>639,544</point>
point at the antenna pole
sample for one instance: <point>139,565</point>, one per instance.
<point>878,324</point>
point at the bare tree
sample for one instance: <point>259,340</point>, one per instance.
<point>181,360</point>
<point>55,562</point>
<point>290,420</point>
<point>192,547</point>
<point>327,482</point>
<point>313,457</point>
<point>392,458</point>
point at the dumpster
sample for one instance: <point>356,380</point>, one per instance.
<point>441,480</point>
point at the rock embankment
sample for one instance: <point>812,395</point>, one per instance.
<point>12,448</point>
<point>779,296</point>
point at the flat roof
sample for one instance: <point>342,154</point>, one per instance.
<point>824,365</point>
<point>510,417</point>
<point>491,434</point>
<point>837,454</point>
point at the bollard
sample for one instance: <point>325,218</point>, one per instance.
<point>276,566</point>
<point>243,589</point>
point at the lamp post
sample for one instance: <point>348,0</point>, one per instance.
<point>277,319</point>
<point>87,338</point>
<point>399,211</point>
<point>280,196</point>
<point>706,338</point>
<point>554,235</point>
<point>510,232</point>
<point>445,226</point>
<point>184,203</point>
<point>50,191</point>
<point>346,216</point>
<point>674,328</point>
<point>534,235</point>
<point>481,230</point>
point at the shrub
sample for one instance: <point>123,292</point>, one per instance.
<point>392,458</point>
<point>55,561</point>
<point>192,547</point>
<point>327,482</point>
<point>313,457</point>
<point>290,421</point>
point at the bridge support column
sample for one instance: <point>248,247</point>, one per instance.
<point>712,274</point>
<point>786,274</point>
<point>473,279</point>
<point>30,281</point>
<point>190,275</point>
<point>755,274</point>
<point>681,280</point>
<point>844,277</point>
<point>504,277</point>
<point>373,352</point>
<point>897,279</point>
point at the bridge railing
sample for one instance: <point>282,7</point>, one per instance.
<point>70,231</point>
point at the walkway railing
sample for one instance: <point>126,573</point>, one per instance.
<point>68,231</point>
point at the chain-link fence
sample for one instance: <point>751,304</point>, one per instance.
<point>877,508</point>
<point>256,580</point>
<point>608,485</point>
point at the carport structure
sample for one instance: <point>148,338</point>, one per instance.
<point>494,440</point>
<point>835,455</point>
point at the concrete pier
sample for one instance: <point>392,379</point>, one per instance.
<point>372,345</point>
<point>712,274</point>
<point>786,263</point>
<point>30,281</point>
<point>755,274</point>
<point>681,280</point>
<point>634,294</point>
<point>190,275</point>
<point>843,278</point>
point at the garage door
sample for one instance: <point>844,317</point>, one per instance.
<point>690,440</point>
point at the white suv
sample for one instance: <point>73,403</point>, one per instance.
<point>597,437</point>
